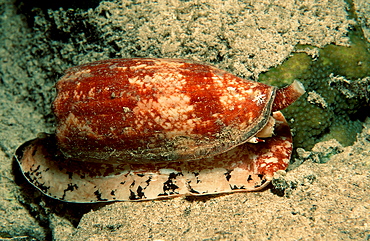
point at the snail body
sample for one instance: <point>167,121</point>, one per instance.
<point>138,129</point>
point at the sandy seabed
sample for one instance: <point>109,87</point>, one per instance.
<point>327,201</point>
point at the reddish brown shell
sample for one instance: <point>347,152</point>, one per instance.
<point>149,110</point>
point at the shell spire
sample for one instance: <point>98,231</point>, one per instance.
<point>287,95</point>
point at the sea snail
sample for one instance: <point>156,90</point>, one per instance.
<point>146,128</point>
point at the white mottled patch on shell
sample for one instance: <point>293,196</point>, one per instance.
<point>139,66</point>
<point>79,74</point>
<point>233,95</point>
<point>285,144</point>
<point>271,160</point>
<point>120,68</point>
<point>259,99</point>
<point>79,124</point>
<point>230,94</point>
<point>72,78</point>
<point>171,111</point>
<point>91,92</point>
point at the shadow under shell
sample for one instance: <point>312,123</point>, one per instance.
<point>247,167</point>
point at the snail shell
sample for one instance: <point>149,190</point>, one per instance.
<point>139,129</point>
<point>151,110</point>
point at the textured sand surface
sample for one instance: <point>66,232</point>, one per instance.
<point>314,201</point>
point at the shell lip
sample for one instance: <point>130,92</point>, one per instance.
<point>263,118</point>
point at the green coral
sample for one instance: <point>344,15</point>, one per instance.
<point>352,62</point>
<point>342,129</point>
<point>283,75</point>
<point>337,92</point>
